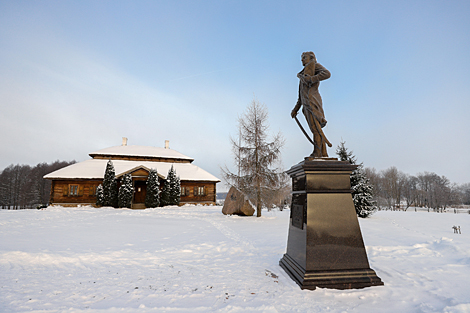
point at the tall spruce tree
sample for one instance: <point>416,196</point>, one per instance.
<point>110,191</point>
<point>171,192</point>
<point>362,189</point>
<point>99,195</point>
<point>152,197</point>
<point>126,192</point>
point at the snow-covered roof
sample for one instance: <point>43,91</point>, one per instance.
<point>95,168</point>
<point>142,151</point>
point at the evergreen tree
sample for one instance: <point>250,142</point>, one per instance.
<point>110,191</point>
<point>175,194</point>
<point>99,195</point>
<point>126,192</point>
<point>171,192</point>
<point>165,195</point>
<point>152,197</point>
<point>344,154</point>
<point>362,189</point>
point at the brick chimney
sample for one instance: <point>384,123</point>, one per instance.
<point>167,144</point>
<point>124,141</point>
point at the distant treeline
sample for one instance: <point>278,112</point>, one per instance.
<point>393,189</point>
<point>23,186</point>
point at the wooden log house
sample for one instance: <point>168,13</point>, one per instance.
<point>76,184</point>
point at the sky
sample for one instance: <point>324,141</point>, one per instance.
<point>77,76</point>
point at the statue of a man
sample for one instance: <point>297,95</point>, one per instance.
<point>311,103</point>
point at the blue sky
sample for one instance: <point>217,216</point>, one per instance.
<point>76,76</point>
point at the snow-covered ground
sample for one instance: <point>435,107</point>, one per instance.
<point>194,259</point>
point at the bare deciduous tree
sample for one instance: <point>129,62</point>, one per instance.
<point>464,193</point>
<point>254,158</point>
<point>391,186</point>
<point>410,190</point>
<point>396,189</point>
<point>23,186</point>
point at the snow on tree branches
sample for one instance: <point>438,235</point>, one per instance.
<point>152,198</point>
<point>99,195</point>
<point>362,189</point>
<point>126,192</point>
<point>110,193</point>
<point>171,192</point>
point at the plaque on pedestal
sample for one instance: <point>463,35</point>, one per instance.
<point>325,247</point>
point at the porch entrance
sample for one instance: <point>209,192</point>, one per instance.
<point>140,190</point>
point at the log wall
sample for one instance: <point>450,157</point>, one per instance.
<point>64,191</point>
<point>192,195</point>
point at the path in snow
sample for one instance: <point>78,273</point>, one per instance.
<point>194,259</point>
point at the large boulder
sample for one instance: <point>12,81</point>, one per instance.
<point>236,203</point>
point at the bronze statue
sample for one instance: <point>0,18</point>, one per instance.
<point>323,250</point>
<point>311,102</point>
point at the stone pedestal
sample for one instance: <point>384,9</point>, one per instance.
<point>325,246</point>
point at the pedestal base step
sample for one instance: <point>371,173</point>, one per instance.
<point>334,279</point>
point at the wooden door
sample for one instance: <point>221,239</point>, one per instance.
<point>140,187</point>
